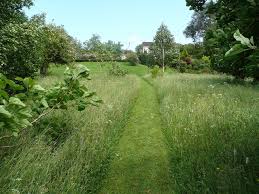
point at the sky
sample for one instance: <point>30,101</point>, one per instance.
<point>129,21</point>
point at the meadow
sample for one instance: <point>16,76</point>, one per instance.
<point>178,133</point>
<point>211,126</point>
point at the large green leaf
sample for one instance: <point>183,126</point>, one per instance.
<point>44,103</point>
<point>235,50</point>
<point>4,94</point>
<point>16,101</point>
<point>14,86</point>
<point>38,88</point>
<point>4,112</point>
<point>25,112</point>
<point>244,41</point>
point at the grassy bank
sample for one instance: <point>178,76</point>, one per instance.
<point>212,129</point>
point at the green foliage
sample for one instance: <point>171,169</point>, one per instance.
<point>163,48</point>
<point>12,11</point>
<point>144,58</point>
<point>155,72</point>
<point>117,70</point>
<point>95,50</point>
<point>247,53</point>
<point>198,26</point>
<point>196,50</point>
<point>26,47</point>
<point>182,66</point>
<point>32,99</point>
<point>227,16</point>
<point>19,50</point>
<point>206,60</point>
<point>56,45</point>
<point>184,54</point>
<point>132,58</point>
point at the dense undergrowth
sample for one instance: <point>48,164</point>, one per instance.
<point>70,151</point>
<point>211,126</point>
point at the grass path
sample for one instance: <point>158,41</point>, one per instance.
<point>141,162</point>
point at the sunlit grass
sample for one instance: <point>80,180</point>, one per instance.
<point>212,129</point>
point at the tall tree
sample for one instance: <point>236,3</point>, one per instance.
<point>12,11</point>
<point>163,45</point>
<point>229,16</point>
<point>197,27</point>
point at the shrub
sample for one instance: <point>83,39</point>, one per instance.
<point>132,58</point>
<point>155,71</point>
<point>206,60</point>
<point>116,70</point>
<point>182,66</point>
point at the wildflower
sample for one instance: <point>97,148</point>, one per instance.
<point>211,86</point>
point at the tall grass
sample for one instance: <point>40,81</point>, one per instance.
<point>70,151</point>
<point>212,129</point>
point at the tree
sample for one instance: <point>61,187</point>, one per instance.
<point>229,16</point>
<point>163,46</point>
<point>97,50</point>
<point>56,45</point>
<point>12,11</point>
<point>19,50</point>
<point>196,29</point>
<point>94,43</point>
<point>115,49</point>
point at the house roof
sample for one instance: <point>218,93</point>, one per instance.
<point>147,43</point>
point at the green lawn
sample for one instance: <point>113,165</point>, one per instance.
<point>179,133</point>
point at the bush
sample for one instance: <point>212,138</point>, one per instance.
<point>132,58</point>
<point>182,67</point>
<point>116,70</point>
<point>155,71</point>
<point>144,59</point>
<point>19,50</point>
<point>206,60</point>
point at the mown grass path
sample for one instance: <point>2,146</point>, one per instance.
<point>141,161</point>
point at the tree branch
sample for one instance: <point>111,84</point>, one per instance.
<point>6,136</point>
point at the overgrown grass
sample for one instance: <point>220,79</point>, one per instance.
<point>70,151</point>
<point>212,129</point>
<point>98,67</point>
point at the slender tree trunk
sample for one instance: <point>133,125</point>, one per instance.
<point>44,69</point>
<point>163,60</point>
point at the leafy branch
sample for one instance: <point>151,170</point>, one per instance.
<point>31,100</point>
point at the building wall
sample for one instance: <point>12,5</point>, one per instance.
<point>146,49</point>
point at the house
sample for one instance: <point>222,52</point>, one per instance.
<point>146,47</point>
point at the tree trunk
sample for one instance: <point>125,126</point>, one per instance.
<point>44,70</point>
<point>163,60</point>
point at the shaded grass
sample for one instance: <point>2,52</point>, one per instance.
<point>212,132</point>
